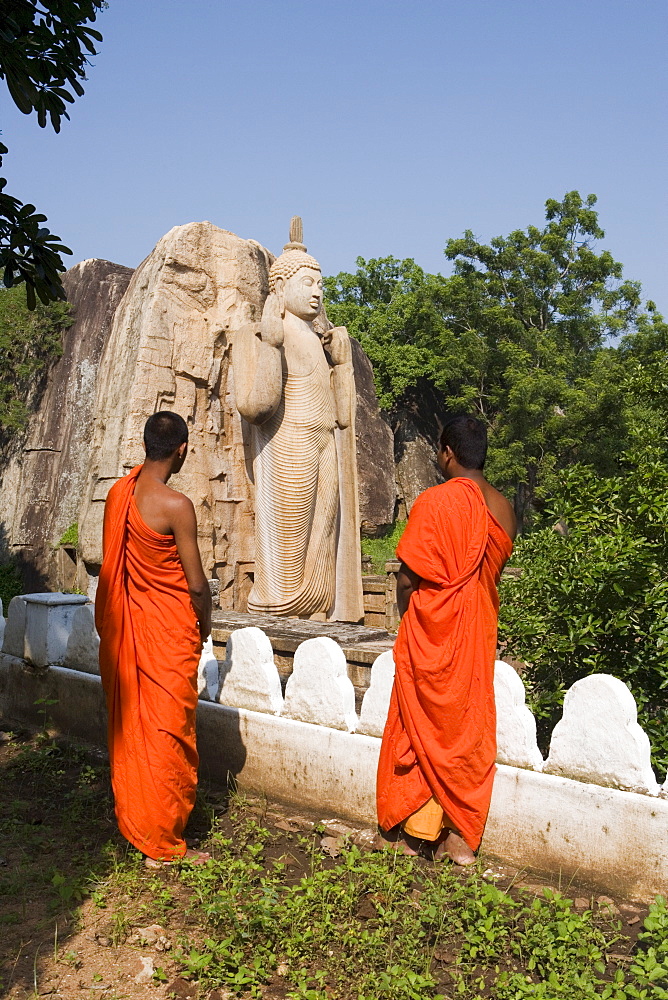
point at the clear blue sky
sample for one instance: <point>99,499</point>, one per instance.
<point>388,126</point>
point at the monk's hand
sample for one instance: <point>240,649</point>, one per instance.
<point>337,343</point>
<point>271,329</point>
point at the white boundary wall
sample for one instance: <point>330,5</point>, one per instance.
<point>591,811</point>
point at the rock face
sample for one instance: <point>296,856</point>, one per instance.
<point>42,477</point>
<point>417,428</point>
<point>170,348</point>
<point>375,451</point>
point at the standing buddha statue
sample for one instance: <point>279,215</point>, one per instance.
<point>295,387</point>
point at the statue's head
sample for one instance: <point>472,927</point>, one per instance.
<point>295,277</point>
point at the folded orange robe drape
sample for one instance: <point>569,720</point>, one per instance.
<point>149,652</point>
<point>440,736</point>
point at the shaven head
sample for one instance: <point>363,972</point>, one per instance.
<point>164,432</point>
<point>467,439</point>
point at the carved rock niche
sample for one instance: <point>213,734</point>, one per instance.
<point>170,348</point>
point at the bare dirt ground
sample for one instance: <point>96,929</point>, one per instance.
<point>80,916</point>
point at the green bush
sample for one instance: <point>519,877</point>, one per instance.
<point>595,600</point>
<point>11,584</point>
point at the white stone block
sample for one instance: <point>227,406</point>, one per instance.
<point>376,701</point>
<point>248,675</point>
<point>598,738</point>
<point>14,637</point>
<point>515,725</point>
<point>207,673</point>
<point>48,626</point>
<point>83,645</point>
<point>319,689</point>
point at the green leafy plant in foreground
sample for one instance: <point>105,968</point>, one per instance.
<point>379,926</point>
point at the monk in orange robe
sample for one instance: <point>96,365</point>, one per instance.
<point>152,611</point>
<point>437,756</point>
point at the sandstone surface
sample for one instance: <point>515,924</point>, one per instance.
<point>162,340</point>
<point>171,347</point>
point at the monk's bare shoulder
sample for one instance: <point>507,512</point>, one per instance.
<point>501,509</point>
<point>177,506</point>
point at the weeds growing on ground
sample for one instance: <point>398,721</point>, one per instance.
<point>374,926</point>
<point>271,915</point>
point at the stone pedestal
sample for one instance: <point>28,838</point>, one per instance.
<point>49,619</point>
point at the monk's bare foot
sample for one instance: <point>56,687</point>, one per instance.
<point>192,857</point>
<point>397,840</point>
<point>154,862</point>
<point>196,857</point>
<point>454,846</point>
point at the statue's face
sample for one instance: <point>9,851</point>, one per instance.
<point>303,293</point>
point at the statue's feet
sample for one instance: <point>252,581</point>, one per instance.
<point>398,841</point>
<point>454,847</point>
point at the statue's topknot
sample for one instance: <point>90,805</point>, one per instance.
<point>294,256</point>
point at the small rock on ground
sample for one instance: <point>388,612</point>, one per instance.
<point>143,969</point>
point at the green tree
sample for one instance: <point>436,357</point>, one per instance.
<point>29,341</point>
<point>44,49</point>
<point>520,334</point>
<point>595,599</point>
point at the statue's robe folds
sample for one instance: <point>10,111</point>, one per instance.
<point>296,499</point>
<point>439,741</point>
<point>149,652</point>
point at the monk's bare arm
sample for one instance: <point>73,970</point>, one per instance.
<point>184,529</point>
<point>407,582</point>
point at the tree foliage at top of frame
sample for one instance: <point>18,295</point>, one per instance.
<point>44,51</point>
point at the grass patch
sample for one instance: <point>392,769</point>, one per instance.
<point>70,536</point>
<point>384,547</point>
<point>374,925</point>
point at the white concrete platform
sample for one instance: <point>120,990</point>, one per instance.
<point>614,839</point>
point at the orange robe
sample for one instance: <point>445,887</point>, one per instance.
<point>440,736</point>
<point>149,652</point>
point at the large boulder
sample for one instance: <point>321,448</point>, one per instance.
<point>43,474</point>
<point>161,340</point>
<point>417,427</point>
<point>375,451</point>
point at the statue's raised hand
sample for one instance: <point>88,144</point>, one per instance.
<point>271,327</point>
<point>337,344</point>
